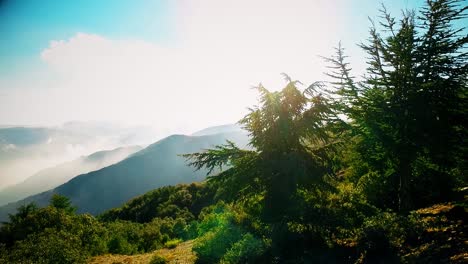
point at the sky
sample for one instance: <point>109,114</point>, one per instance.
<point>178,65</point>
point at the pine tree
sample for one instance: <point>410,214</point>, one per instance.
<point>292,148</point>
<point>409,108</point>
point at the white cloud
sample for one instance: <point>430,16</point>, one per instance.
<point>204,78</point>
<point>8,147</point>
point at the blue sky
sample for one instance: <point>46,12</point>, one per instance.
<point>27,26</point>
<point>166,63</point>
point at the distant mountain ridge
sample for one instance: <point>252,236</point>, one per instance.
<point>229,128</point>
<point>160,164</point>
<point>25,150</point>
<point>49,178</point>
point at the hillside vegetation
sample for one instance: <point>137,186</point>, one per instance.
<point>353,171</point>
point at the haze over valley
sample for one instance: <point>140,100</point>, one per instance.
<point>115,176</point>
<point>24,150</point>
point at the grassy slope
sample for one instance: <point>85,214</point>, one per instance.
<point>182,254</point>
<point>445,237</point>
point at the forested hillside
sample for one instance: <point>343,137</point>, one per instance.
<point>359,170</point>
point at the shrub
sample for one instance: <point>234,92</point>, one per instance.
<point>50,246</point>
<point>119,245</point>
<point>124,237</point>
<point>92,233</point>
<point>172,243</point>
<point>190,230</point>
<point>151,237</point>
<point>245,250</point>
<point>382,235</point>
<point>157,259</point>
<point>211,247</point>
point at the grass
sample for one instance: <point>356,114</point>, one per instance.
<point>445,237</point>
<point>181,254</point>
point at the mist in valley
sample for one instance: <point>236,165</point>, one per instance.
<point>25,151</point>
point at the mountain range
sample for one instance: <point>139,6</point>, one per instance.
<point>50,178</point>
<point>25,150</point>
<point>157,165</point>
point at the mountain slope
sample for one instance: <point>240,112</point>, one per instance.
<point>52,177</point>
<point>157,165</point>
<point>37,147</point>
<point>43,147</point>
<point>229,128</point>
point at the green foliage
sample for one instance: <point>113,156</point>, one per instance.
<point>283,183</point>
<point>156,259</point>
<point>92,233</point>
<point>405,115</point>
<point>222,236</point>
<point>246,250</point>
<point>190,230</point>
<point>125,237</point>
<point>52,235</point>
<point>63,203</point>
<point>212,246</point>
<point>326,211</point>
<point>293,147</point>
<point>172,243</point>
<point>383,235</point>
<point>49,246</point>
<point>130,238</point>
<point>88,228</point>
<point>120,245</point>
<point>181,201</point>
<point>83,233</point>
<point>23,212</point>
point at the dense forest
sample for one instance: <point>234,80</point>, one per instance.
<point>368,169</point>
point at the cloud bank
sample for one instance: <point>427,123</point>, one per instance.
<point>203,77</point>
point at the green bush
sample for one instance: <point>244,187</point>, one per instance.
<point>245,250</point>
<point>92,233</point>
<point>26,237</point>
<point>172,243</point>
<point>125,237</point>
<point>217,233</point>
<point>190,230</point>
<point>382,235</point>
<point>156,259</point>
<point>181,201</point>
<point>211,247</point>
<point>49,246</point>
<point>119,245</point>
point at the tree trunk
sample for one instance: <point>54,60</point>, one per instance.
<point>404,195</point>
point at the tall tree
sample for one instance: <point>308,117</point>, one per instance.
<point>292,145</point>
<point>409,107</point>
<point>63,203</point>
<point>442,57</point>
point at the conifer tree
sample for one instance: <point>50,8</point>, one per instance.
<point>410,107</point>
<point>292,148</point>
